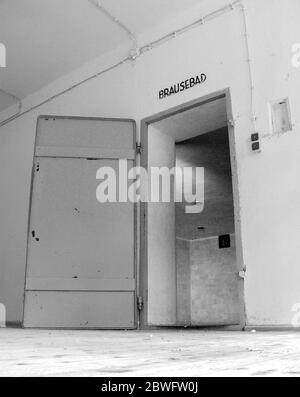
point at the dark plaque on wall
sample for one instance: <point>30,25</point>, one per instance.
<point>224,241</point>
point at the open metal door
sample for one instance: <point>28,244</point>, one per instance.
<point>81,270</point>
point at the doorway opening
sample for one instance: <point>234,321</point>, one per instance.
<point>191,255</point>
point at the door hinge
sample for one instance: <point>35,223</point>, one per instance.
<point>231,122</point>
<point>138,148</point>
<point>140,303</point>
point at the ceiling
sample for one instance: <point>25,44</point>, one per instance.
<point>210,116</point>
<point>46,39</point>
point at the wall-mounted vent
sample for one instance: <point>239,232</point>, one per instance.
<point>281,117</point>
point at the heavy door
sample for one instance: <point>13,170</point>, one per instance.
<point>81,270</point>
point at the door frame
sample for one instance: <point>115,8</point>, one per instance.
<point>143,287</point>
<point>136,219</point>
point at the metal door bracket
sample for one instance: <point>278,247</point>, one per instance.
<point>242,274</point>
<point>140,303</point>
<point>138,148</point>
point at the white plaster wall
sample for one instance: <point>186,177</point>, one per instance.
<point>268,182</point>
<point>270,192</point>
<point>183,273</point>
<point>161,296</point>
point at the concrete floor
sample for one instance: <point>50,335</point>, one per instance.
<point>158,353</point>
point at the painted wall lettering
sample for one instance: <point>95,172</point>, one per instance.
<point>182,86</point>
